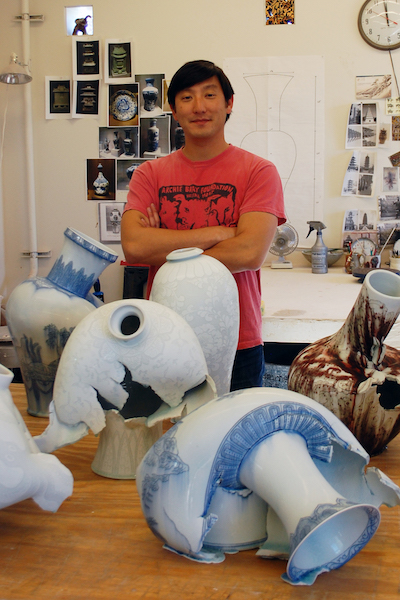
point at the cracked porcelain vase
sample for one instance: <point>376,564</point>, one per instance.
<point>42,312</point>
<point>353,373</point>
<point>204,292</point>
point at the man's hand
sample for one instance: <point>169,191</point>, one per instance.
<point>152,220</point>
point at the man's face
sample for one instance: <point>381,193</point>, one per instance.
<point>201,109</point>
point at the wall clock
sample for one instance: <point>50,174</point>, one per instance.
<point>379,23</point>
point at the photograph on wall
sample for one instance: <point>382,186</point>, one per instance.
<point>386,231</point>
<point>359,223</point>
<point>110,215</point>
<point>118,143</point>
<point>389,207</point>
<point>79,20</point>
<point>359,177</point>
<point>85,58</point>
<point>373,87</point>
<point>177,136</point>
<point>279,12</point>
<point>125,169</point>
<point>165,104</point>
<point>150,91</point>
<point>393,106</point>
<point>390,179</point>
<point>395,159</point>
<point>118,63</point>
<point>58,97</point>
<point>362,126</point>
<point>123,105</point>
<point>85,99</point>
<point>155,137</point>
<point>395,129</point>
<point>100,178</point>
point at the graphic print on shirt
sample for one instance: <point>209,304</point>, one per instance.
<point>194,206</point>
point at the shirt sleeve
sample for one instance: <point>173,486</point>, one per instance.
<point>264,191</point>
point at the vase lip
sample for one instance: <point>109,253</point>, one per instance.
<point>6,377</point>
<point>184,254</point>
<point>387,283</point>
<point>91,245</point>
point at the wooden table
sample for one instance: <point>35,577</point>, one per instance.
<point>98,546</point>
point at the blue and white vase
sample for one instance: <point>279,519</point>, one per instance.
<point>42,312</point>
<point>153,136</point>
<point>150,95</point>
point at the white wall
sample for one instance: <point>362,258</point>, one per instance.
<point>165,35</point>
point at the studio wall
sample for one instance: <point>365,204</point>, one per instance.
<point>165,34</point>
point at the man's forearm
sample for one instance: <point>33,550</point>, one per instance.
<point>150,245</point>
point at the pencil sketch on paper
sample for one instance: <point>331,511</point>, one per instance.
<point>278,114</point>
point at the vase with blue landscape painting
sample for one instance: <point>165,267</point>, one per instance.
<point>42,312</point>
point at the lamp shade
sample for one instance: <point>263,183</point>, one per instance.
<point>15,73</point>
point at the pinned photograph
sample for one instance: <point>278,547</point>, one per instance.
<point>110,216</point>
<point>373,87</point>
<point>151,97</point>
<point>155,137</point>
<point>58,97</point>
<point>360,173</point>
<point>390,179</point>
<point>86,99</point>
<point>118,143</point>
<point>85,58</point>
<point>118,61</point>
<point>123,105</point>
<point>100,179</point>
<point>279,13</point>
<point>125,170</point>
<point>79,20</point>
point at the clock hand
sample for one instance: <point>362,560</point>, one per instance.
<point>387,17</point>
<point>386,12</point>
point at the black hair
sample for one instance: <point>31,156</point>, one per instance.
<point>194,72</point>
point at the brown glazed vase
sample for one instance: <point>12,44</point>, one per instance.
<point>353,373</point>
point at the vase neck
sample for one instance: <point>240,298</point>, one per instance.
<point>80,264</point>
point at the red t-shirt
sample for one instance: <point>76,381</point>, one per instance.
<point>190,195</point>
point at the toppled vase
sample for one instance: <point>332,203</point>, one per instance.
<point>126,367</point>
<point>268,467</point>
<point>352,372</point>
<point>26,472</point>
<point>42,312</point>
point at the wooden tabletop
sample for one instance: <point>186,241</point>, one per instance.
<point>98,546</point>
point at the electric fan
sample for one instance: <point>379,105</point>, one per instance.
<point>285,242</point>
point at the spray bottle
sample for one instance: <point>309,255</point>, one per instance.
<point>319,252</point>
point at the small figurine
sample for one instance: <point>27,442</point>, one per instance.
<point>80,25</point>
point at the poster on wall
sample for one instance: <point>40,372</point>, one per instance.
<point>79,20</point>
<point>151,94</point>
<point>58,97</point>
<point>118,143</point>
<point>118,61</point>
<point>279,115</point>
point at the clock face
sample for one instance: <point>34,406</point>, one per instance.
<point>363,246</point>
<point>379,23</point>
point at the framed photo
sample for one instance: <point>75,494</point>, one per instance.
<point>123,105</point>
<point>110,215</point>
<point>100,178</point>
<point>58,94</point>
<point>86,99</point>
<point>85,58</point>
<point>118,63</point>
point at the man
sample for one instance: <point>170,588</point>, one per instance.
<point>209,195</point>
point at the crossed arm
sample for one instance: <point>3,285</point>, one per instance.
<point>240,248</point>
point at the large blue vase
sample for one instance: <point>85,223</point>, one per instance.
<point>42,312</point>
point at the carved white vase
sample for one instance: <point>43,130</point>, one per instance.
<point>204,292</point>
